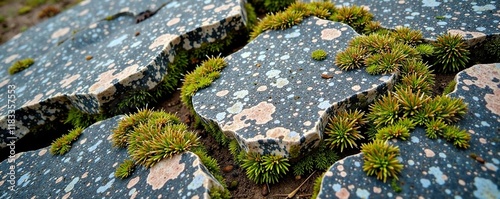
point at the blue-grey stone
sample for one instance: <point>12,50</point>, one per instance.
<point>434,167</point>
<point>87,170</point>
<point>273,96</point>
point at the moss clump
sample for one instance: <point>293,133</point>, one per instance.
<point>20,65</point>
<point>78,118</point>
<point>274,6</point>
<point>24,10</point>
<point>63,144</point>
<point>319,55</point>
<point>451,53</point>
<point>450,87</point>
<point>380,159</point>
<point>317,186</point>
<point>343,129</point>
<point>251,16</point>
<point>125,169</point>
<point>355,16</point>
<point>265,168</point>
<point>319,159</point>
<point>48,11</point>
<point>218,193</point>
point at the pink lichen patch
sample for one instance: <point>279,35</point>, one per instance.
<point>66,82</point>
<point>4,82</point>
<point>10,58</point>
<point>173,21</point>
<point>104,86</point>
<point>42,152</point>
<point>58,180</point>
<point>208,7</point>
<point>1,182</point>
<point>133,182</point>
<point>485,73</point>
<point>356,88</point>
<point>329,174</point>
<point>262,88</point>
<point>83,12</point>
<point>34,101</point>
<point>343,174</point>
<point>85,175</point>
<point>83,140</point>
<point>322,22</point>
<point>59,33</point>
<point>461,182</point>
<point>165,170</point>
<point>465,33</point>
<point>377,190</point>
<point>134,195</point>
<point>429,153</point>
<point>66,196</point>
<point>482,140</point>
<point>342,193</point>
<point>222,93</point>
<point>340,167</point>
<point>223,7</point>
<point>330,34</point>
<point>164,40</point>
<point>261,113</point>
<point>278,132</point>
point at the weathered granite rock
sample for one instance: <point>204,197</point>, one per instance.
<point>87,170</point>
<point>272,95</point>
<point>436,168</point>
<point>103,59</point>
<point>474,20</point>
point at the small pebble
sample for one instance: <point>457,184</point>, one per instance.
<point>265,190</point>
<point>480,160</point>
<point>88,57</point>
<point>228,168</point>
<point>326,76</point>
<point>298,177</point>
<point>137,33</point>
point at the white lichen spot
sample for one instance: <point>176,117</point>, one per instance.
<point>117,41</point>
<point>59,33</point>
<point>485,188</point>
<point>486,7</point>
<point>330,34</point>
<point>438,174</point>
<point>165,170</point>
<point>430,3</point>
<point>280,83</point>
<point>71,185</point>
<point>273,73</point>
<point>362,193</point>
<point>173,21</point>
<point>240,94</point>
<point>10,58</point>
<point>236,108</point>
<point>245,55</point>
<point>425,182</point>
<point>262,88</point>
<point>220,116</point>
<point>324,104</point>
<point>222,93</point>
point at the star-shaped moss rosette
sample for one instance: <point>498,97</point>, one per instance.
<point>272,96</point>
<point>436,167</point>
<point>101,63</point>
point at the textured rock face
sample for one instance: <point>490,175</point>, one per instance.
<point>273,95</point>
<point>86,62</point>
<point>88,170</point>
<point>436,168</point>
<point>474,20</point>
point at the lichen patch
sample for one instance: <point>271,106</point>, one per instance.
<point>330,34</point>
<point>261,113</point>
<point>165,170</point>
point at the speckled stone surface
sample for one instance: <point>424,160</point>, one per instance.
<point>87,170</point>
<point>436,168</point>
<point>472,19</point>
<point>125,56</point>
<point>272,96</point>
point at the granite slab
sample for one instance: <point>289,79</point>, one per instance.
<point>474,20</point>
<point>436,168</point>
<point>273,96</point>
<point>87,170</point>
<point>104,59</point>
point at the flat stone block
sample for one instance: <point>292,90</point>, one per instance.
<point>88,170</point>
<point>436,168</point>
<point>474,20</point>
<point>273,96</point>
<point>95,66</point>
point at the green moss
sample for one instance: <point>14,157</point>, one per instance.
<point>274,6</point>
<point>210,163</point>
<point>20,65</point>
<point>317,186</point>
<point>125,169</point>
<point>450,87</point>
<point>78,118</point>
<point>395,186</point>
<point>319,55</point>
<point>251,16</point>
<point>451,53</point>
<point>265,168</point>
<point>63,144</point>
<point>2,18</point>
<point>218,193</point>
<point>342,130</point>
<point>319,159</point>
<point>355,16</point>
<point>380,159</point>
<point>24,10</point>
